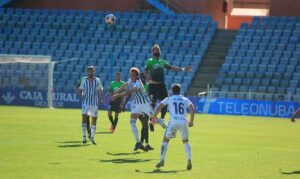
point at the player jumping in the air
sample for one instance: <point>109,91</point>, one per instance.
<point>91,93</point>
<point>141,103</point>
<point>178,105</point>
<point>115,106</point>
<point>155,69</point>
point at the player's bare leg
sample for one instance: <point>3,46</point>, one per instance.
<point>93,130</point>
<point>163,152</point>
<point>83,126</point>
<point>296,113</point>
<point>187,148</point>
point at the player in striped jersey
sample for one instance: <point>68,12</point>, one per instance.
<point>91,93</point>
<point>178,105</point>
<point>141,102</point>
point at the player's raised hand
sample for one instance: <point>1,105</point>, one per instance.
<point>188,68</point>
<point>191,124</point>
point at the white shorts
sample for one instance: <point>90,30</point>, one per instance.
<point>90,110</point>
<point>142,108</point>
<point>177,126</point>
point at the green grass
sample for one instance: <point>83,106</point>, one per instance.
<point>46,143</point>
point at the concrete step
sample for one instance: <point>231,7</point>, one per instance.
<point>212,61</point>
<point>208,69</point>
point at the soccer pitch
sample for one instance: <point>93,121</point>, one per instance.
<point>47,143</point>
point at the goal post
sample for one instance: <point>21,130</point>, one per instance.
<point>27,72</point>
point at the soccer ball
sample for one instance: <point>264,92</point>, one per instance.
<point>110,19</point>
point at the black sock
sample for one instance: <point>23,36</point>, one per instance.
<point>145,128</point>
<point>146,133</point>
<point>111,119</point>
<point>115,122</point>
<point>88,124</point>
<point>163,112</point>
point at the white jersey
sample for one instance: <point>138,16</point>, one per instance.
<point>178,105</point>
<point>90,89</point>
<point>140,96</point>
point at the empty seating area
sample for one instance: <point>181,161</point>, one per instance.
<point>84,37</point>
<point>264,59</point>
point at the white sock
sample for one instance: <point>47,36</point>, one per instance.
<point>163,151</point>
<point>161,122</point>
<point>187,150</point>
<point>134,130</point>
<point>83,126</point>
<point>93,130</point>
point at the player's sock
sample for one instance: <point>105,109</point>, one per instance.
<point>111,119</point>
<point>93,131</point>
<point>88,123</point>
<point>115,122</point>
<point>83,126</point>
<point>187,150</point>
<point>163,151</point>
<point>161,122</point>
<point>134,130</point>
<point>163,112</point>
<point>142,135</point>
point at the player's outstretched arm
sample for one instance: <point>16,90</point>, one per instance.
<point>192,113</point>
<point>122,88</point>
<point>177,69</point>
<point>296,113</point>
<point>159,108</point>
<point>127,93</point>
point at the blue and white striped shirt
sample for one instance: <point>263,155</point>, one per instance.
<point>90,90</point>
<point>140,96</point>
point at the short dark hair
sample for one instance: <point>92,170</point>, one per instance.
<point>91,68</point>
<point>118,73</point>
<point>176,89</point>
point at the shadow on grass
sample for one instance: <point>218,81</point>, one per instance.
<point>104,133</point>
<point>55,163</point>
<point>125,160</point>
<point>70,142</point>
<point>160,171</point>
<point>291,173</point>
<point>74,143</point>
<point>124,153</point>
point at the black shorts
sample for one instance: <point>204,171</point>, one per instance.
<point>158,91</point>
<point>115,105</point>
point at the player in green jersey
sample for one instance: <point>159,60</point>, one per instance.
<point>154,71</point>
<point>115,106</point>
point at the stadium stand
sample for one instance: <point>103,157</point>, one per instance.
<point>66,34</point>
<point>264,59</point>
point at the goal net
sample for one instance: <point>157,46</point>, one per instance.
<point>26,80</point>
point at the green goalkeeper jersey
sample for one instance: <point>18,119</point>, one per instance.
<point>115,85</point>
<point>156,69</point>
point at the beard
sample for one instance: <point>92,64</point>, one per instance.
<point>156,54</point>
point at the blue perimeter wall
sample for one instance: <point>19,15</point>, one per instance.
<point>203,105</point>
